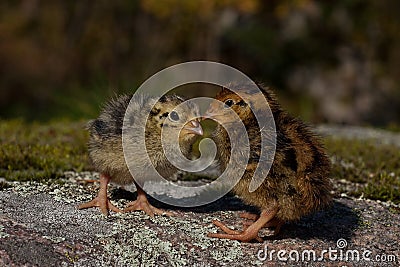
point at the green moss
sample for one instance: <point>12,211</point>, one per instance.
<point>383,187</point>
<point>375,166</point>
<point>395,210</point>
<point>43,152</point>
<point>33,151</point>
<point>394,127</point>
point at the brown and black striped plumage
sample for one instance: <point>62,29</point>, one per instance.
<point>105,142</point>
<point>298,182</point>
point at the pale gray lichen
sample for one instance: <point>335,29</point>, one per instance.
<point>2,233</point>
<point>135,238</point>
<point>54,239</point>
<point>138,246</point>
<point>137,243</point>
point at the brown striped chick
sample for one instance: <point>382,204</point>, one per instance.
<point>106,150</point>
<point>298,181</point>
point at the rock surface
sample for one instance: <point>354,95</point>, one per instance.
<point>40,226</point>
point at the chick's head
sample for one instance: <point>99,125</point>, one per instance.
<point>226,101</point>
<point>175,116</point>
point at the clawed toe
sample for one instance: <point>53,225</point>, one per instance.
<point>244,236</point>
<point>251,230</point>
<point>144,205</point>
<point>101,200</point>
<point>225,228</point>
<point>104,204</point>
<point>141,203</point>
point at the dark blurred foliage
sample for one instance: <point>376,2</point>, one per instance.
<point>329,61</point>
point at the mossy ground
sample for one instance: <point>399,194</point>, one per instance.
<point>42,152</point>
<point>374,166</point>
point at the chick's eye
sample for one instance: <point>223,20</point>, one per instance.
<point>228,103</point>
<point>174,116</point>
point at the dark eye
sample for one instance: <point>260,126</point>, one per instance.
<point>228,103</point>
<point>174,116</point>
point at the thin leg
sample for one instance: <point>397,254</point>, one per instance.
<point>249,219</point>
<point>248,234</point>
<point>274,222</point>
<point>141,203</point>
<point>225,228</point>
<point>101,200</point>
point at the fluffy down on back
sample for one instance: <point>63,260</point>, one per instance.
<point>105,143</point>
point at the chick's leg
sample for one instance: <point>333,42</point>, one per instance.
<point>101,200</point>
<point>141,203</point>
<point>249,233</point>
<point>274,222</point>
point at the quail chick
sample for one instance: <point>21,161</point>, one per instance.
<point>106,150</point>
<point>298,181</point>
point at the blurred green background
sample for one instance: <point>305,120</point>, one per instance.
<point>329,61</point>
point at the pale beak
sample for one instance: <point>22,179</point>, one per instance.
<point>194,127</point>
<point>207,115</point>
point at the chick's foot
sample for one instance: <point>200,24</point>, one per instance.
<point>250,233</point>
<point>274,222</point>
<point>101,200</point>
<point>141,203</point>
<point>103,203</point>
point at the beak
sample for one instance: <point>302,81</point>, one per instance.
<point>194,127</point>
<point>207,115</point>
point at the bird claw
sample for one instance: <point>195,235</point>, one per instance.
<point>248,216</point>
<point>244,236</point>
<point>144,205</point>
<point>266,219</point>
<point>103,203</point>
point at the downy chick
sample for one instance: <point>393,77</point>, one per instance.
<point>298,181</point>
<point>106,150</point>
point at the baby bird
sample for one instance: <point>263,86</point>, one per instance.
<point>106,150</point>
<point>298,181</point>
